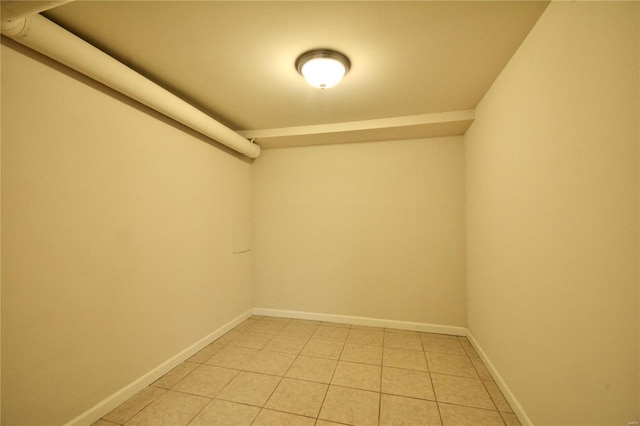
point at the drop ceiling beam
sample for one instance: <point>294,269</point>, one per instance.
<point>450,123</point>
<point>351,126</point>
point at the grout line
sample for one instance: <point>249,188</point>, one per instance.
<point>284,375</point>
<point>521,415</point>
<point>200,411</point>
<point>408,397</point>
<point>381,370</point>
<point>299,354</point>
<point>485,387</point>
<point>475,408</point>
<point>331,378</point>
<point>285,412</point>
<point>435,397</point>
<point>137,412</point>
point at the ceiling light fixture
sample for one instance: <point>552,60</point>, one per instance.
<point>323,68</point>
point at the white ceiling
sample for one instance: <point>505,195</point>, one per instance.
<point>235,59</point>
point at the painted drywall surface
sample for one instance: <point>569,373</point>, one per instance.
<point>373,230</point>
<point>552,217</point>
<point>117,240</point>
<point>0,262</point>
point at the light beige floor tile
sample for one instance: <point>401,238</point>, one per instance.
<point>498,397</point>
<point>365,354</point>
<point>454,365</point>
<point>404,358</point>
<point>267,362</point>
<point>337,334</point>
<point>206,380</point>
<point>249,388</point>
<point>134,405</point>
<point>366,337</point>
<point>327,423</point>
<point>510,419</point>
<point>207,352</point>
<point>313,369</point>
<point>322,349</point>
<point>360,376</point>
<point>288,344</point>
<point>350,406</point>
<point>296,329</point>
<point>304,322</point>
<point>398,410</point>
<point>281,319</point>
<point>458,415</point>
<point>368,328</point>
<point>411,383</point>
<point>461,391</point>
<point>171,409</point>
<point>245,325</point>
<point>252,340</point>
<point>439,335</point>
<point>268,326</point>
<point>335,324</point>
<point>232,357</point>
<point>174,376</point>
<point>481,369</point>
<point>403,341</point>
<point>225,413</point>
<point>400,331</point>
<point>443,345</point>
<point>468,347</point>
<point>298,397</point>
<point>276,418</point>
<point>270,318</point>
<point>228,337</point>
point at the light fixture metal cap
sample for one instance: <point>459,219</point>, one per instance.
<point>322,53</point>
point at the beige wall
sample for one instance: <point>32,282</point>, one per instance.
<point>373,230</point>
<point>0,248</point>
<point>117,241</point>
<point>552,217</point>
<point>117,230</point>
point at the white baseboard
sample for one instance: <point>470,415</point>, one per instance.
<point>373,322</point>
<point>105,406</point>
<point>510,397</point>
<point>406,325</point>
<point>117,398</point>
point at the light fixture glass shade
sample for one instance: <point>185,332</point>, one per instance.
<point>323,68</point>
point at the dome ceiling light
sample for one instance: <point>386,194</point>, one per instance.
<point>323,68</point>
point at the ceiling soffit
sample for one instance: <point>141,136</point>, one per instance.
<point>235,60</point>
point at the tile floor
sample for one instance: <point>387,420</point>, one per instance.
<point>278,371</point>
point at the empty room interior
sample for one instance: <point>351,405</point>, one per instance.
<point>172,184</point>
